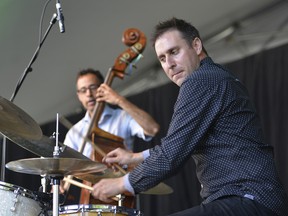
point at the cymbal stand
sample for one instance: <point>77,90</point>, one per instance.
<point>56,183</point>
<point>56,179</point>
<point>20,81</point>
<point>56,152</point>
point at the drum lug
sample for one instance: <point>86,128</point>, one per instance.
<point>120,199</point>
<point>12,209</point>
<point>15,200</point>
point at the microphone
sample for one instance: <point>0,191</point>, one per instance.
<point>60,17</point>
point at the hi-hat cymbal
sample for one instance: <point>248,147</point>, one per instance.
<point>44,147</point>
<point>14,122</point>
<point>55,166</point>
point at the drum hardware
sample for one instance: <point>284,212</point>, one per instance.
<point>45,201</point>
<point>56,183</point>
<point>56,168</point>
<point>18,201</point>
<point>99,210</point>
<point>56,179</point>
<point>120,198</point>
<point>15,200</point>
<point>44,183</point>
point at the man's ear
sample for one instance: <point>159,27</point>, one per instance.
<point>197,45</point>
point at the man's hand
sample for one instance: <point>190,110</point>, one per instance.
<point>123,157</point>
<point>108,95</point>
<point>107,189</point>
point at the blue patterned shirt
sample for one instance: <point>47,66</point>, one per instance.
<point>215,123</point>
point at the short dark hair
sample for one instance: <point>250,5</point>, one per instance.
<point>187,30</point>
<point>97,73</point>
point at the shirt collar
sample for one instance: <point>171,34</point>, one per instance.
<point>108,111</point>
<point>206,60</point>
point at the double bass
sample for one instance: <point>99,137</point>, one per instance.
<point>102,141</point>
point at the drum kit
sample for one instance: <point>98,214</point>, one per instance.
<point>56,161</point>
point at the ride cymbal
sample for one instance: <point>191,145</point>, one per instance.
<point>15,123</point>
<point>97,176</point>
<point>55,166</point>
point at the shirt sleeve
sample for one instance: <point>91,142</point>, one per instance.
<point>146,154</point>
<point>127,184</point>
<point>69,140</point>
<point>137,130</point>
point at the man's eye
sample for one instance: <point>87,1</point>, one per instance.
<point>174,52</point>
<point>162,59</point>
<point>93,87</point>
<point>82,90</point>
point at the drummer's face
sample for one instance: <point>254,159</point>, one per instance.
<point>86,91</point>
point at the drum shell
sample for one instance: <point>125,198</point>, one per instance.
<point>17,201</point>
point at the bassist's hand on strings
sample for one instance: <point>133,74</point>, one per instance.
<point>107,94</point>
<point>104,93</point>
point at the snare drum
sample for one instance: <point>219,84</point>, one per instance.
<point>17,201</point>
<point>97,210</point>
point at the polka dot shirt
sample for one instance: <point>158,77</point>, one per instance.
<point>214,122</point>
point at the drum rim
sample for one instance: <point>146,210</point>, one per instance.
<point>17,190</point>
<point>66,209</point>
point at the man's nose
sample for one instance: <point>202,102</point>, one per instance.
<point>170,62</point>
<point>89,92</point>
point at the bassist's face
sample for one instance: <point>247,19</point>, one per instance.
<point>86,91</point>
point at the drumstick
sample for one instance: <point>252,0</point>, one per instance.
<point>76,183</point>
<point>79,184</point>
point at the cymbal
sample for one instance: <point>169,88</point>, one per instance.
<point>55,166</point>
<point>44,147</point>
<point>14,122</point>
<point>94,177</point>
<point>160,189</point>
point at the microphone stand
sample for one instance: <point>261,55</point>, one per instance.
<point>26,71</point>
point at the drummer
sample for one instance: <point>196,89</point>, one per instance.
<point>125,121</point>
